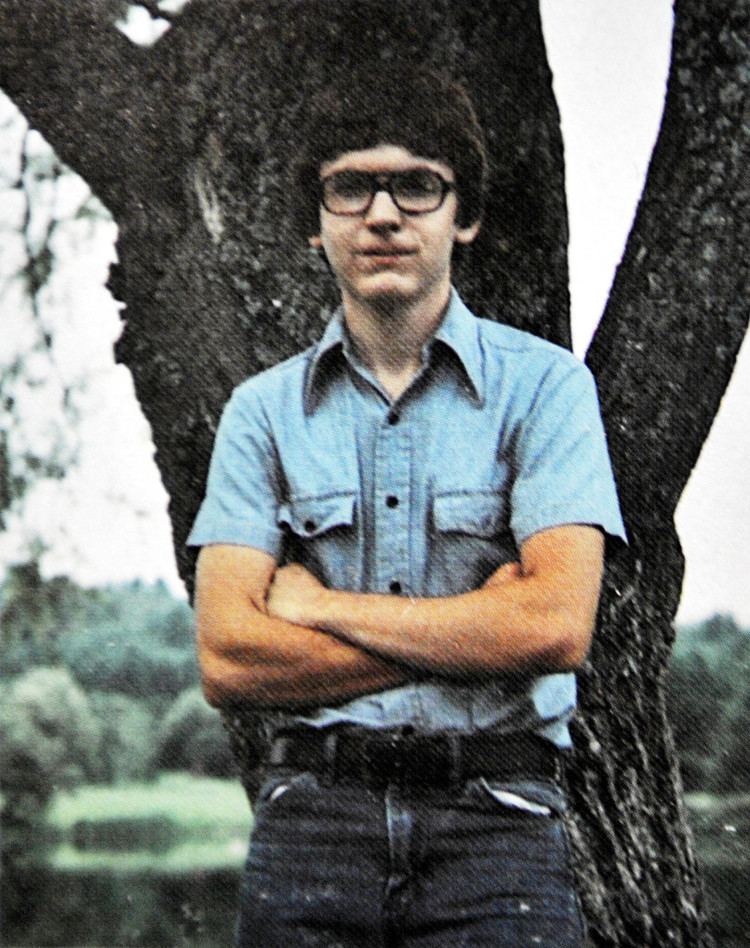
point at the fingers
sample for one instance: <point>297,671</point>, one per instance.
<point>505,574</point>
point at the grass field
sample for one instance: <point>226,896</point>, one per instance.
<point>196,802</point>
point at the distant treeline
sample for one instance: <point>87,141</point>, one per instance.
<point>708,694</point>
<point>96,686</point>
<point>101,685</point>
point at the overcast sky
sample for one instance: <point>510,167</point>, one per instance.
<point>609,58</point>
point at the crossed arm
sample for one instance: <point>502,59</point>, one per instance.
<point>277,637</point>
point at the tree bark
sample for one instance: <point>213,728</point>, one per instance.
<point>189,143</point>
<point>663,355</point>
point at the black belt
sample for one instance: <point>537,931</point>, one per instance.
<point>381,757</point>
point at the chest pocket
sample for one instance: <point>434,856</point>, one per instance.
<point>477,513</point>
<point>321,534</point>
<point>469,539</point>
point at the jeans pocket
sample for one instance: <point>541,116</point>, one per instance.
<point>275,786</point>
<point>536,799</point>
<point>514,801</point>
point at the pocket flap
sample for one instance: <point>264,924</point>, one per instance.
<point>479,513</point>
<point>311,516</point>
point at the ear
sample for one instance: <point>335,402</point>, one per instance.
<point>315,242</point>
<point>465,235</point>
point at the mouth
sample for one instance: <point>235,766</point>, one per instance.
<point>386,254</point>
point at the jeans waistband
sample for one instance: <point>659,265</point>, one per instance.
<point>381,757</point>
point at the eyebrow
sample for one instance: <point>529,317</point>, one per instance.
<point>369,171</point>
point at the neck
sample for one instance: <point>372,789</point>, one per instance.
<point>389,335</point>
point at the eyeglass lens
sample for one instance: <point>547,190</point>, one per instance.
<point>418,191</point>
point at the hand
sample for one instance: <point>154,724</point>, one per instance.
<point>504,574</point>
<point>292,594</point>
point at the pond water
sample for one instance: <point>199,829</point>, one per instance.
<point>107,908</point>
<point>166,877</point>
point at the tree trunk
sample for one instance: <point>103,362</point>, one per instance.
<point>189,143</point>
<point>663,355</point>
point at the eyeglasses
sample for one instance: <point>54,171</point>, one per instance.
<point>418,191</point>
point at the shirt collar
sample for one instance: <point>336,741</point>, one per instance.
<point>333,339</point>
<point>458,331</point>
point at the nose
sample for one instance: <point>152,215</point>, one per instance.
<point>383,211</point>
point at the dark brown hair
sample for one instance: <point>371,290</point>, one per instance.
<point>422,110</point>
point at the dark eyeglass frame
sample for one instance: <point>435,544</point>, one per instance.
<point>386,181</point>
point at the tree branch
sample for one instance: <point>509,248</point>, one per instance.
<point>112,110</point>
<point>152,6</point>
<point>667,344</point>
<point>64,63</point>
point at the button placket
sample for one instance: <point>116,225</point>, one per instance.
<point>391,482</point>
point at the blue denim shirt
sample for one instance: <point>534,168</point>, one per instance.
<point>498,437</point>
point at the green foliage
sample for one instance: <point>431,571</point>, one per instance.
<point>34,615</point>
<point>708,695</point>
<point>138,665</point>
<point>192,738</point>
<point>49,729</point>
<point>732,767</point>
<point>49,740</point>
<point>127,728</point>
<point>133,639</point>
<point>694,695</point>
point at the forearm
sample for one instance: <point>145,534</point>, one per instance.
<point>486,631</point>
<point>278,664</point>
<point>537,616</point>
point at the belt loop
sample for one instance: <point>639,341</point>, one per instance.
<point>330,743</point>
<point>279,750</point>
<point>456,763</point>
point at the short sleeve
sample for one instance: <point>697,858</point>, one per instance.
<point>242,493</point>
<point>562,472</point>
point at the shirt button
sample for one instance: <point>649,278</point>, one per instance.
<point>391,501</point>
<point>395,586</point>
<point>310,525</point>
<point>393,417</point>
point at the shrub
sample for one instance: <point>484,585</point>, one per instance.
<point>193,738</point>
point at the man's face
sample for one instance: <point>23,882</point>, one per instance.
<point>385,255</point>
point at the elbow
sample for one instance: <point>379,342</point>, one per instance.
<point>568,647</point>
<point>230,669</point>
<point>214,684</point>
<point>569,655</point>
<point>226,686</point>
<point>213,671</point>
<point>213,691</point>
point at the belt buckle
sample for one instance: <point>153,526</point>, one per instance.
<point>384,758</point>
<point>438,762</point>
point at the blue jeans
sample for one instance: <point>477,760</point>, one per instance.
<point>343,865</point>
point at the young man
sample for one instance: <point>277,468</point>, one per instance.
<point>402,549</point>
